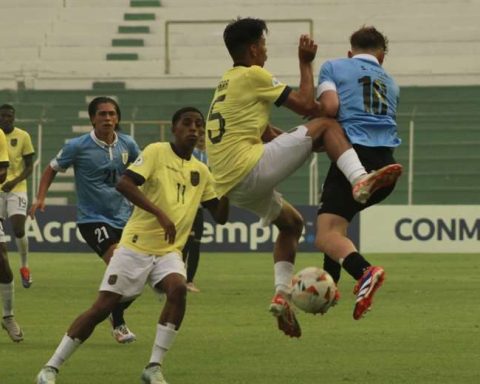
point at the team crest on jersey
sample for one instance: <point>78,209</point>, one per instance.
<point>194,178</point>
<point>14,142</point>
<point>124,157</point>
<point>112,279</point>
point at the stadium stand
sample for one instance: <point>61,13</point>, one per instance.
<point>155,56</point>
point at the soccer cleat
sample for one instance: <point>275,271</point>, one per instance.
<point>47,375</point>
<point>26,277</point>
<point>153,375</point>
<point>366,185</point>
<point>192,288</point>
<point>13,329</point>
<point>281,309</point>
<point>365,288</point>
<point>123,335</point>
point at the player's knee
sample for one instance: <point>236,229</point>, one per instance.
<point>293,225</point>
<point>177,293</point>
<point>320,241</point>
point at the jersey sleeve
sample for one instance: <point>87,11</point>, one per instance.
<point>134,151</point>
<point>145,162</point>
<point>27,146</point>
<point>209,191</point>
<point>326,80</point>
<point>267,87</point>
<point>65,158</point>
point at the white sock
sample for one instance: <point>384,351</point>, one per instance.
<point>22,247</point>
<point>163,341</point>
<point>64,350</point>
<point>6,292</point>
<point>283,275</point>
<point>350,165</point>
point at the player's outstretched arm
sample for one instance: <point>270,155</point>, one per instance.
<point>128,187</point>
<point>47,177</point>
<point>302,101</point>
<point>218,208</point>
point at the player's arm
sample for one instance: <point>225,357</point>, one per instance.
<point>27,171</point>
<point>3,171</point>
<point>3,157</point>
<point>218,208</point>
<point>128,187</point>
<point>302,101</point>
<point>47,177</point>
<point>329,103</point>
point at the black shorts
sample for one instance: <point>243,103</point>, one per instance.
<point>337,196</point>
<point>100,236</point>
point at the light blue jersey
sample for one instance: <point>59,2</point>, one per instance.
<point>368,99</point>
<point>97,167</point>
<point>200,155</point>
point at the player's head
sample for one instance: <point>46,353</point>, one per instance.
<point>187,125</point>
<point>369,40</point>
<point>7,117</point>
<point>245,41</point>
<point>102,106</point>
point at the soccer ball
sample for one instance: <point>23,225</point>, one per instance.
<point>313,290</point>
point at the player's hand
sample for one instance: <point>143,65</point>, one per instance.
<point>8,186</point>
<point>307,49</point>
<point>168,226</point>
<point>39,204</point>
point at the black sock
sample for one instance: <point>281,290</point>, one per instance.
<point>355,265</point>
<point>117,313</point>
<point>332,267</point>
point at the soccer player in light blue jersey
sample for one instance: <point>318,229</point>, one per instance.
<point>363,97</point>
<point>98,158</point>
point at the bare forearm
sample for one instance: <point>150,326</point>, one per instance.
<point>47,177</point>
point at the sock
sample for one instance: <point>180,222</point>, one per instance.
<point>163,341</point>
<point>22,246</point>
<point>350,165</point>
<point>6,292</point>
<point>283,275</point>
<point>64,350</point>
<point>117,313</point>
<point>332,267</point>
<point>355,265</point>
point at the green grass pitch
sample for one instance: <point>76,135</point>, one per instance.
<point>424,326</point>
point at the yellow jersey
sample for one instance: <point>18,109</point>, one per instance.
<point>175,185</point>
<point>3,150</point>
<point>238,116</point>
<point>19,144</point>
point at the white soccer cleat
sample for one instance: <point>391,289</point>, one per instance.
<point>153,375</point>
<point>123,335</point>
<point>366,185</point>
<point>13,329</point>
<point>47,375</point>
<point>281,309</point>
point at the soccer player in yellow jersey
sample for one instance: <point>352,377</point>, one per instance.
<point>13,194</point>
<point>6,277</point>
<point>166,184</point>
<point>249,157</point>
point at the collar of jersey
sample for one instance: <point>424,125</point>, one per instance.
<point>102,143</point>
<point>366,56</point>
